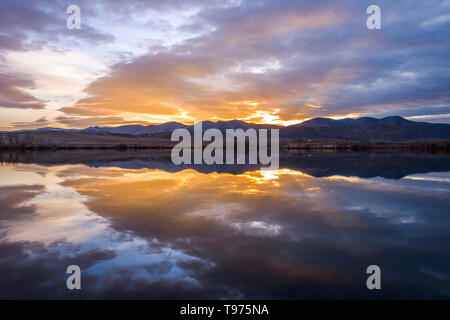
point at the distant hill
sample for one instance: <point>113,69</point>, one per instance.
<point>160,129</point>
<point>234,124</point>
<point>364,121</point>
<point>365,129</point>
<point>166,128</point>
<point>45,129</point>
<point>137,130</point>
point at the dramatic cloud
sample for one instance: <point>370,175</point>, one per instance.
<point>260,61</point>
<point>27,27</point>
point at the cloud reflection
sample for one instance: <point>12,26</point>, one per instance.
<point>147,233</point>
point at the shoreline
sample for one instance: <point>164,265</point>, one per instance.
<point>432,146</point>
<point>106,141</point>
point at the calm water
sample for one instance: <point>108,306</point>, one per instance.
<point>140,227</point>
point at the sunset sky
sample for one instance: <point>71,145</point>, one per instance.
<point>280,61</point>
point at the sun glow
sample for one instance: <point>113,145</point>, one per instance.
<point>267,117</point>
<point>349,115</point>
<point>182,116</point>
<point>264,176</point>
<point>316,106</point>
<point>245,102</point>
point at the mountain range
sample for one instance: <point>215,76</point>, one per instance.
<point>393,128</point>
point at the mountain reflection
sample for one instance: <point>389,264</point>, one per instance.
<point>318,164</point>
<point>307,230</point>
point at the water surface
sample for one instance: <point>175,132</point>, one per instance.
<point>140,227</point>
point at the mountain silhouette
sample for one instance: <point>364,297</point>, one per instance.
<point>390,129</point>
<point>393,128</point>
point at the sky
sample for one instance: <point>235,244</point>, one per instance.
<point>275,61</point>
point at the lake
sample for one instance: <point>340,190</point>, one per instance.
<point>140,227</point>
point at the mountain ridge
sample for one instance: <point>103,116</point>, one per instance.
<point>392,128</point>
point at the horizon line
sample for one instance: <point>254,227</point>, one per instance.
<point>335,118</point>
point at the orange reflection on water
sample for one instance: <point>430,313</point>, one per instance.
<point>229,233</point>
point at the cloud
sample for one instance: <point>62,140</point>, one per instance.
<point>27,25</point>
<point>13,197</point>
<point>282,56</point>
<point>13,95</point>
<point>202,59</point>
<point>201,75</point>
<point>84,122</point>
<point>39,123</point>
